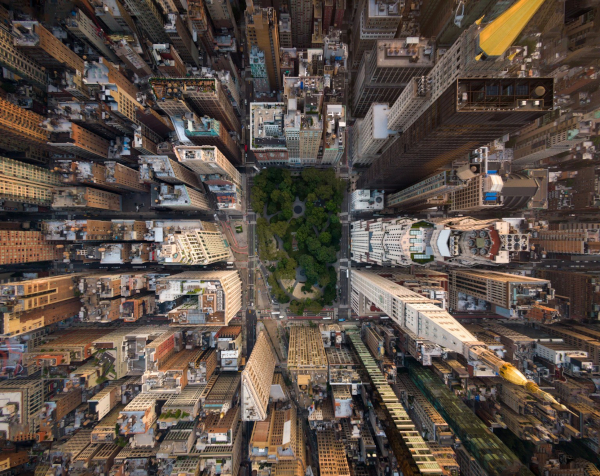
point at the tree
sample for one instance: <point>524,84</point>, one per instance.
<point>287,268</point>
<point>331,206</point>
<point>280,228</point>
<point>311,268</point>
<point>313,244</point>
<point>297,307</point>
<point>276,195</point>
<point>334,219</point>
<point>326,254</point>
<point>324,192</point>
<point>287,212</point>
<point>271,208</point>
<point>324,280</point>
<point>325,237</point>
<point>312,305</point>
<point>302,234</point>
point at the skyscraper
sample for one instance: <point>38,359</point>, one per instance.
<point>24,183</point>
<point>20,128</point>
<point>301,13</point>
<point>205,96</point>
<point>22,400</point>
<point>285,31</point>
<point>201,246</point>
<point>509,295</point>
<point>36,303</point>
<point>370,135</point>
<point>388,68</point>
<point>25,246</point>
<point>262,31</point>
<point>461,241</point>
<point>207,131</point>
<point>213,297</point>
<point>374,20</point>
<point>469,114</point>
<point>150,18</point>
<point>256,380</point>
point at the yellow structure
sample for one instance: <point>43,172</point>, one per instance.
<point>499,35</point>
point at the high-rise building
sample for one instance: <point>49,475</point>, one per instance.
<point>167,170</point>
<point>82,27</point>
<point>334,134</point>
<point>317,25</point>
<point>132,59</point>
<point>257,377</point>
<point>332,454</point>
<point>370,135</point>
<point>207,160</point>
<point>33,304</point>
<point>437,17</point>
<point>44,48</point>
<point>212,297</point>
<point>221,14</point>
<point>19,63</point>
<point>168,61</point>
<point>508,295</point>
<point>285,30</point>
<point>545,139</point>
<point>307,362</point>
<point>24,183</point>
<point>374,20</point>
<point>456,123</point>
<point>515,191</point>
<point>179,197</point>
<point>328,7</point>
<point>303,124</point>
<point>338,16</point>
<point>301,13</point>
<point>207,131</point>
<point>76,140</point>
<point>572,241</point>
<point>25,246</point>
<point>267,135</point>
<point>183,41</point>
<point>216,173</point>
<point>462,241</point>
<point>205,96</point>
<point>111,176</point>
<point>22,399</point>
<point>20,127</point>
<point>269,441</point>
<point>201,25</point>
<point>479,52</point>
<point>262,32</point>
<point>201,246</point>
<point>150,19</point>
<point>432,192</point>
<point>85,197</point>
<point>581,290</point>
<point>388,68</point>
<point>258,68</point>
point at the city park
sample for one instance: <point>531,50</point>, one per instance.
<point>299,234</point>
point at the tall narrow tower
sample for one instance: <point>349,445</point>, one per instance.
<point>262,31</point>
<point>301,12</point>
